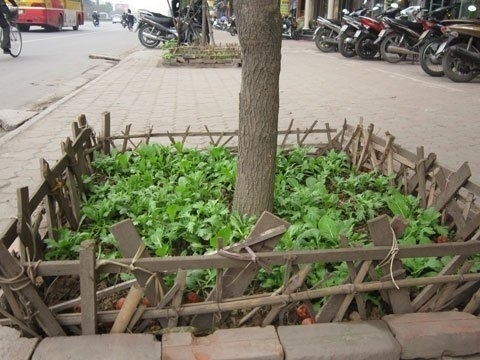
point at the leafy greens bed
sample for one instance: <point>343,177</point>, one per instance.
<point>179,199</point>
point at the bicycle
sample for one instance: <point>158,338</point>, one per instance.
<point>15,34</point>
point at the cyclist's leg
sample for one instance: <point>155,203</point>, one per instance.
<point>5,28</point>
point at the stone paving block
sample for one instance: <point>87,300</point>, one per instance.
<point>364,340</point>
<point>14,347</point>
<point>100,347</point>
<point>468,357</point>
<point>226,344</point>
<point>431,335</point>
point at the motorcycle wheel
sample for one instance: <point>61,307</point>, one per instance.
<point>145,41</point>
<point>346,48</point>
<point>365,48</point>
<point>321,44</point>
<point>457,69</point>
<point>391,39</point>
<point>232,31</point>
<point>430,63</point>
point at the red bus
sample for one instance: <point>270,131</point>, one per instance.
<point>50,14</point>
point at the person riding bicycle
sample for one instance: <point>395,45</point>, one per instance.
<point>4,14</point>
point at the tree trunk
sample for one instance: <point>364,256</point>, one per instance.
<point>259,32</point>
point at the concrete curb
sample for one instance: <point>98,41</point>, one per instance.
<point>443,335</point>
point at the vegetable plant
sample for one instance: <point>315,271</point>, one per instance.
<point>179,199</point>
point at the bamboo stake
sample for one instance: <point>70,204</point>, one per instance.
<point>292,285</point>
<point>473,304</point>
<point>128,309</point>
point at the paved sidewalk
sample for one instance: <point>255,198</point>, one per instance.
<point>400,98</point>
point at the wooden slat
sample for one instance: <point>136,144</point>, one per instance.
<point>413,181</point>
<point>88,287</point>
<point>171,264</point>
<point>382,233</point>
<point>9,234</point>
<point>30,249</point>
<point>452,208</point>
<point>294,283</point>
<point>180,282</point>
<point>420,172</point>
<point>105,135</point>
<point>474,303</point>
<point>129,242</point>
<point>356,278</point>
<point>431,289</point>
<point>236,280</point>
<point>10,269</point>
<point>74,164</point>
<point>455,182</point>
<point>366,147</point>
<point>56,184</point>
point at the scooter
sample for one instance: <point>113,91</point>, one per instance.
<point>155,28</point>
<point>325,33</point>
<point>461,52</point>
<point>289,28</point>
<point>403,38</point>
<point>430,41</point>
<point>351,24</point>
<point>96,22</point>
<point>364,39</point>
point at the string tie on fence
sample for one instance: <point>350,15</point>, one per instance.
<point>133,267</point>
<point>16,282</point>
<point>391,257</point>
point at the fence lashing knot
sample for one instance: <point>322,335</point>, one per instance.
<point>390,257</point>
<point>59,184</point>
<point>19,282</point>
<point>132,267</point>
<point>32,269</point>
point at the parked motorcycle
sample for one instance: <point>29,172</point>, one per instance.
<point>430,41</point>
<point>461,52</point>
<point>400,38</point>
<point>364,39</point>
<point>156,28</point>
<point>325,34</point>
<point>289,28</point>
<point>351,24</point>
<point>403,38</point>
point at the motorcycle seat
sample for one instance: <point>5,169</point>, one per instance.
<point>162,19</point>
<point>417,27</point>
<point>335,21</point>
